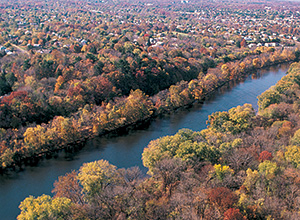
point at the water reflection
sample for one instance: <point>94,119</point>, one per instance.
<point>126,150</point>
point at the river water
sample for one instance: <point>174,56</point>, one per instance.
<point>126,150</point>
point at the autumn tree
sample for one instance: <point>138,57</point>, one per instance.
<point>182,145</point>
<point>68,186</point>
<point>265,155</point>
<point>234,121</point>
<point>267,98</point>
<point>96,176</point>
<point>222,197</point>
<point>44,207</point>
<point>233,214</point>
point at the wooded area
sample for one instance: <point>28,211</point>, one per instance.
<point>92,78</point>
<point>73,70</point>
<point>243,166</point>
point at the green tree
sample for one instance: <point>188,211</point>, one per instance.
<point>26,64</point>
<point>44,207</point>
<point>66,129</point>
<point>295,140</point>
<point>45,68</point>
<point>182,145</point>
<point>11,79</point>
<point>292,155</point>
<point>198,151</point>
<point>220,172</point>
<point>269,97</point>
<point>35,137</point>
<point>98,68</point>
<point>137,106</point>
<point>251,179</point>
<point>268,169</point>
<point>6,158</point>
<point>92,57</point>
<point>4,85</point>
<point>96,176</point>
<point>234,121</point>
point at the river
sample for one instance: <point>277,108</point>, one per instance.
<point>126,150</point>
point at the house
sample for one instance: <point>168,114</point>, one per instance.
<point>252,45</point>
<point>152,41</point>
<point>271,44</point>
<point>83,42</point>
<point>248,39</point>
<point>8,52</point>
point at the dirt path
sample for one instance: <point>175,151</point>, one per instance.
<point>21,49</point>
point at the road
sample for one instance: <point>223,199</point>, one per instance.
<point>21,49</point>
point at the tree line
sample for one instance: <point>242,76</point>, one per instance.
<point>27,144</point>
<point>244,165</point>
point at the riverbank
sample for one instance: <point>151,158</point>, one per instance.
<point>122,114</point>
<point>125,150</point>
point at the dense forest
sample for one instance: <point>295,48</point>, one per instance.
<point>243,166</point>
<point>27,144</point>
<point>63,82</point>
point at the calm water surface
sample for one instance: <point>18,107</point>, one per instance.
<point>125,151</point>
